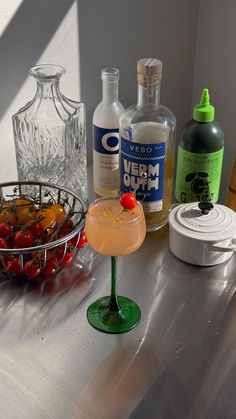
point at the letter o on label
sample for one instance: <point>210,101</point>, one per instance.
<point>105,139</point>
<point>126,179</point>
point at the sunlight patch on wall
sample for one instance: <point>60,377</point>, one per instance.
<point>7,10</point>
<point>62,49</point>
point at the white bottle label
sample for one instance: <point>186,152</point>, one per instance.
<point>106,158</point>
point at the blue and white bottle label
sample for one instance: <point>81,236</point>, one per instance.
<point>106,158</point>
<point>149,158</point>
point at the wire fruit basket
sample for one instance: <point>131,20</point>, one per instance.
<point>57,241</point>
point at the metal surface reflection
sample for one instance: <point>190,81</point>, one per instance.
<point>178,363</point>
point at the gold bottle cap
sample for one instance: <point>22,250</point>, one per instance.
<point>150,67</point>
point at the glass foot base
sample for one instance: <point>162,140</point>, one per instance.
<point>102,318</point>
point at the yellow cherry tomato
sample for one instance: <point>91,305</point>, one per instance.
<point>48,219</point>
<point>25,210</point>
<point>59,211</point>
<point>7,215</point>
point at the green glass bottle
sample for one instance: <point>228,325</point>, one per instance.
<point>200,155</point>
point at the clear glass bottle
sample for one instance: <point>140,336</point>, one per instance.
<point>106,136</point>
<point>50,134</point>
<point>147,144</point>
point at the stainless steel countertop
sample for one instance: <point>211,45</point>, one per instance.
<point>179,362</point>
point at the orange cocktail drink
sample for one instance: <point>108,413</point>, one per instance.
<point>113,230</point>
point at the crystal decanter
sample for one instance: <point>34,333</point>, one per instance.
<point>50,135</point>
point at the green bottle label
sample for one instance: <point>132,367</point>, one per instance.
<point>198,176</point>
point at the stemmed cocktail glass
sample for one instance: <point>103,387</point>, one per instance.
<point>114,231</point>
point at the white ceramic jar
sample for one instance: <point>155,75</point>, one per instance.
<point>202,233</point>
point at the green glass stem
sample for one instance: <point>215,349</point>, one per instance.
<point>113,314</point>
<point>113,304</point>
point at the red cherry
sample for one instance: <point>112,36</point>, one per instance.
<point>128,200</point>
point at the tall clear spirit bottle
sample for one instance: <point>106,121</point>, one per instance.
<point>147,144</point>
<point>106,136</point>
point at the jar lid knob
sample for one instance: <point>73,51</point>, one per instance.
<point>205,207</point>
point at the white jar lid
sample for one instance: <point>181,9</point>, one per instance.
<point>199,221</point>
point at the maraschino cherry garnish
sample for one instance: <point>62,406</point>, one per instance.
<point>128,200</point>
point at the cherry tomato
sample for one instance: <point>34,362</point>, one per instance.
<point>35,255</point>
<point>5,230</point>
<point>31,269</point>
<point>73,241</point>
<point>3,244</point>
<point>128,200</point>
<point>25,211</point>
<point>49,217</point>
<point>67,226</point>
<point>78,243</point>
<point>23,239</point>
<point>37,231</point>
<point>7,214</point>
<point>51,266</point>
<point>5,259</point>
<point>69,256</point>
<point>59,211</point>
<point>59,253</point>
<point>82,241</point>
<point>13,266</point>
<point>61,235</point>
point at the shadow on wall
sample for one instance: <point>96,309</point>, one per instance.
<point>118,33</point>
<point>111,33</point>
<point>24,40</point>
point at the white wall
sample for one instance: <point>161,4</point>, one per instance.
<point>215,68</point>
<point>118,33</point>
